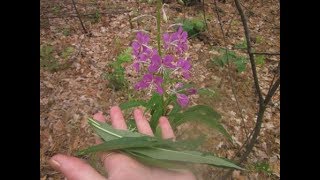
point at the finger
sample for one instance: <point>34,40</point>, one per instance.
<point>107,158</point>
<point>73,168</point>
<point>166,130</point>
<point>112,162</point>
<point>99,117</point>
<point>117,163</point>
<point>117,119</point>
<point>142,123</point>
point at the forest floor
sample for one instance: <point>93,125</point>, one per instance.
<point>73,86</point>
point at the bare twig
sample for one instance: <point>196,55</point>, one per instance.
<point>262,102</point>
<point>256,131</point>
<point>266,53</point>
<point>271,92</point>
<point>243,145</point>
<point>204,14</point>
<point>78,14</point>
<point>229,74</point>
<point>274,76</point>
<point>159,5</point>
<point>259,121</point>
<point>249,50</point>
<point>138,9</point>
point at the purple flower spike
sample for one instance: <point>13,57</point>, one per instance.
<point>178,41</point>
<point>158,81</point>
<point>143,38</point>
<point>167,61</point>
<point>182,100</point>
<point>155,63</point>
<point>145,82</point>
<point>150,80</point>
<point>185,66</point>
<point>140,50</point>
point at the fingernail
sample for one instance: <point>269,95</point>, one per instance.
<point>55,164</point>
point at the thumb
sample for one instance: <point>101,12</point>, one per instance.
<point>74,168</point>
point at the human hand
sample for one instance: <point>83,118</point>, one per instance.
<point>117,165</point>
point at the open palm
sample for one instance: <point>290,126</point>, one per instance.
<point>120,166</point>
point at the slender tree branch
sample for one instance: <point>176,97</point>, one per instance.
<point>249,50</point>
<point>266,53</point>
<point>257,128</point>
<point>204,14</point>
<point>259,121</point>
<point>262,102</point>
<point>78,14</point>
<point>272,91</point>
<point>266,103</point>
<point>274,76</point>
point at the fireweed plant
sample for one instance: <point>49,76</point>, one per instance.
<point>164,77</point>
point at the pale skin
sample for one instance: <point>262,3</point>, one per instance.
<point>119,166</point>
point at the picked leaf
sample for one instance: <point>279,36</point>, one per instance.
<point>156,162</point>
<point>132,104</point>
<point>142,147</point>
<point>123,143</point>
<point>185,156</point>
<point>107,133</point>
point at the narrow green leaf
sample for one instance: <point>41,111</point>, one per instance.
<point>123,143</point>
<point>125,140</point>
<point>107,133</point>
<point>169,100</point>
<point>153,101</point>
<point>176,107</point>
<point>132,104</point>
<point>158,112</point>
<point>185,156</point>
<point>156,162</point>
<point>155,105</point>
<point>158,132</point>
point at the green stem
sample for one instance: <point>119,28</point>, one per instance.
<point>159,6</point>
